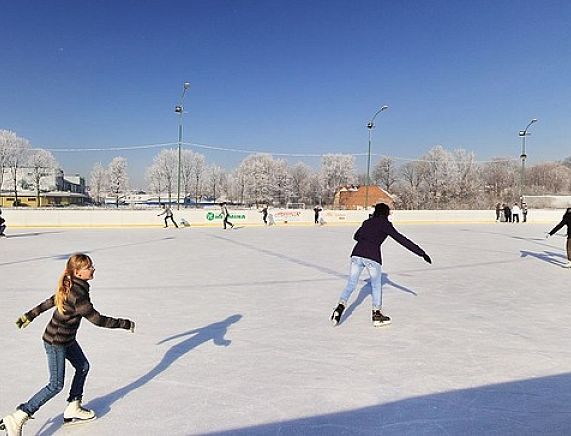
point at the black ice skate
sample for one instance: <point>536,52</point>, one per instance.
<point>379,319</point>
<point>336,315</point>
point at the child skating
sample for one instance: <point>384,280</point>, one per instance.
<point>566,221</point>
<point>367,254</point>
<point>72,303</point>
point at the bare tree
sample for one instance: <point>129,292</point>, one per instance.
<point>409,190</point>
<point>40,162</point>
<point>118,177</point>
<point>99,182</point>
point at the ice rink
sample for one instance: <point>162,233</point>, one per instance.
<point>233,333</point>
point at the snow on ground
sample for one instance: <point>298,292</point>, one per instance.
<point>233,332</point>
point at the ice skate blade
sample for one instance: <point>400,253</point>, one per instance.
<point>69,422</point>
<point>2,426</point>
<point>381,324</point>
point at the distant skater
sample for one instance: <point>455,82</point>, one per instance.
<point>264,213</point>
<point>524,212</point>
<point>225,216</point>
<point>169,215</point>
<point>498,210</point>
<point>317,210</point>
<point>507,213</point>
<point>2,225</point>
<point>566,221</point>
<point>367,254</point>
<point>72,303</point>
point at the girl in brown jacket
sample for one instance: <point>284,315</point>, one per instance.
<point>72,303</point>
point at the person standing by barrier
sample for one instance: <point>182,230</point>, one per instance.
<point>72,302</point>
<point>317,210</point>
<point>565,221</point>
<point>2,225</point>
<point>264,213</point>
<point>498,210</point>
<point>508,213</point>
<point>169,215</point>
<point>515,213</point>
<point>524,211</point>
<point>367,254</point>
<point>225,216</point>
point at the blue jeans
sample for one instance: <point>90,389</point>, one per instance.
<point>375,271</point>
<point>57,355</point>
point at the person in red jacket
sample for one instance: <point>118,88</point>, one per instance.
<point>72,303</point>
<point>367,254</point>
<point>565,221</point>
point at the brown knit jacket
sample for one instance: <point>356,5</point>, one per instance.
<point>62,328</point>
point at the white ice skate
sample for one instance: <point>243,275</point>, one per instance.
<point>13,423</point>
<point>75,414</point>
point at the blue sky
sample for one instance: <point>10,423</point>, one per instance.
<point>286,76</point>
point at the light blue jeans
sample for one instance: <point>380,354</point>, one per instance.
<point>375,271</point>
<point>57,355</point>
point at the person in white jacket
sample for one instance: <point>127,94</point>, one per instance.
<point>515,213</point>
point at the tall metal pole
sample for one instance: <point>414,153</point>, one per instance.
<point>523,156</point>
<point>371,126</point>
<point>180,111</point>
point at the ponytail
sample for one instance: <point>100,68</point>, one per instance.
<point>75,262</point>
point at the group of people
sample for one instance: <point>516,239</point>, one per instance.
<point>72,302</point>
<point>167,211</point>
<point>505,213</point>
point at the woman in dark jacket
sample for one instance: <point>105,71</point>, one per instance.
<point>566,221</point>
<point>367,254</point>
<point>72,303</point>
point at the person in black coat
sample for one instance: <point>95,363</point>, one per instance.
<point>2,225</point>
<point>566,221</point>
<point>367,254</point>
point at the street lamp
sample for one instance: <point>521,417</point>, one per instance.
<point>179,109</point>
<point>371,126</point>
<point>523,134</point>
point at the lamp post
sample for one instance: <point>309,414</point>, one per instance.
<point>523,134</point>
<point>371,126</point>
<point>180,111</point>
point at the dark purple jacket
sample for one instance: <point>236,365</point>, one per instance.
<point>373,233</point>
<point>566,221</point>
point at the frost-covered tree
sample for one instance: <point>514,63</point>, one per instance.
<point>300,175</point>
<point>409,190</point>
<point>192,171</point>
<point>118,178</point>
<point>280,182</point>
<point>254,177</point>
<point>8,141</point>
<point>437,174</point>
<point>336,170</point>
<point>98,182</point>
<point>154,180</point>
<point>499,178</point>
<point>40,162</point>
<point>214,176</point>
<point>385,173</point>
<point>166,168</point>
<point>16,158</point>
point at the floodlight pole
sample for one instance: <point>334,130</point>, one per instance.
<point>371,126</point>
<point>180,111</point>
<point>523,156</point>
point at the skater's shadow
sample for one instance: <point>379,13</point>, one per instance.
<point>27,235</point>
<point>215,332</point>
<point>546,256</point>
<point>366,291</point>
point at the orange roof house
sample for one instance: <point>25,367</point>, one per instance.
<point>353,197</point>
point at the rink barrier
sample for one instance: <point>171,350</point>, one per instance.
<point>121,218</point>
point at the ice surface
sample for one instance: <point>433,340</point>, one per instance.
<point>233,332</point>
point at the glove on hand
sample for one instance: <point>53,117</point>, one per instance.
<point>547,236</point>
<point>427,258</point>
<point>22,322</point>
